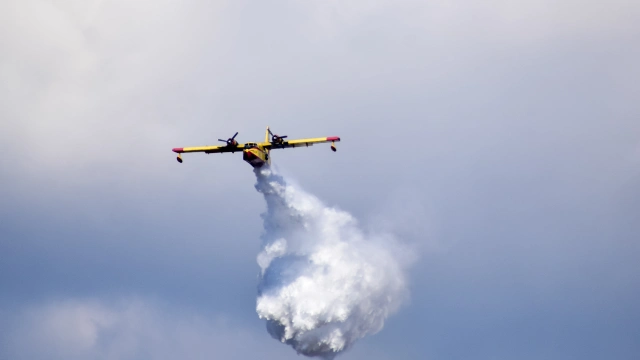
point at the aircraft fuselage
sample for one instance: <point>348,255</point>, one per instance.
<point>255,155</point>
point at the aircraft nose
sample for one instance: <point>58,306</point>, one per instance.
<point>177,150</point>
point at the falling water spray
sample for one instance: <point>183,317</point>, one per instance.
<point>324,282</point>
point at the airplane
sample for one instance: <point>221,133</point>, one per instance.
<point>257,154</point>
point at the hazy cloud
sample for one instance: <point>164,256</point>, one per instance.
<point>127,328</point>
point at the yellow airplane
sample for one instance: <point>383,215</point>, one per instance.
<point>257,154</point>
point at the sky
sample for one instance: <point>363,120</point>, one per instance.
<point>499,140</point>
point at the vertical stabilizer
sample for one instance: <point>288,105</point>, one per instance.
<point>266,139</point>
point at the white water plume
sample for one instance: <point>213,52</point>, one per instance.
<point>325,283</point>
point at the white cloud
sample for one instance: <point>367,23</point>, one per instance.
<point>79,79</point>
<point>84,81</point>
<point>125,329</point>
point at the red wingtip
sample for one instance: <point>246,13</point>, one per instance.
<point>333,138</point>
<point>177,150</point>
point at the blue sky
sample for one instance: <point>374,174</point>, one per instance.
<point>501,140</point>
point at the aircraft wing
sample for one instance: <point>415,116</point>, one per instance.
<point>302,142</point>
<point>209,149</point>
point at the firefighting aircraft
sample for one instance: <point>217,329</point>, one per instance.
<point>257,154</point>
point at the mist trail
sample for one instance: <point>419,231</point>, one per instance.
<point>324,282</point>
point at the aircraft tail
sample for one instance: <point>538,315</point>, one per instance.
<point>266,139</point>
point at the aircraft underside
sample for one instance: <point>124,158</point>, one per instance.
<point>255,157</point>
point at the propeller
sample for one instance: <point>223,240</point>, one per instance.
<point>276,138</point>
<point>231,141</point>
